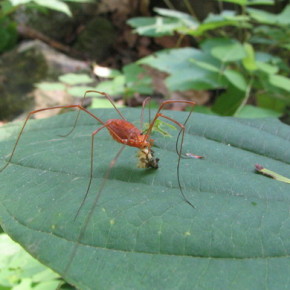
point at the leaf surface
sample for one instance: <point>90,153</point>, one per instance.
<point>142,234</point>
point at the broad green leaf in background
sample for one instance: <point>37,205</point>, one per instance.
<point>55,5</point>
<point>172,21</point>
<point>206,66</point>
<point>20,2</point>
<point>154,26</point>
<point>280,81</point>
<point>103,103</point>
<point>225,18</point>
<point>133,79</point>
<point>249,111</point>
<point>236,79</point>
<point>249,61</point>
<point>229,102</point>
<point>250,2</point>
<point>8,33</point>
<point>269,18</point>
<point>184,73</point>
<point>6,8</point>
<point>17,268</point>
<point>185,18</point>
<point>137,80</point>
<point>270,35</point>
<point>240,2</point>
<point>52,4</point>
<point>267,68</point>
<point>142,234</point>
<point>112,87</point>
<point>264,100</point>
<point>224,49</point>
<point>166,24</point>
<point>260,2</point>
<point>268,58</point>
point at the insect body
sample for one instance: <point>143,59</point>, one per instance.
<point>126,133</point>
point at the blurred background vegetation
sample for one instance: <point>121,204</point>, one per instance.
<point>231,57</point>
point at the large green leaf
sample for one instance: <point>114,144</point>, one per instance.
<point>20,271</point>
<point>224,49</point>
<point>142,234</point>
<point>229,102</point>
<point>270,18</point>
<point>154,26</point>
<point>183,65</point>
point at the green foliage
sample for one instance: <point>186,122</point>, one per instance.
<point>8,30</point>
<point>133,79</point>
<point>160,127</point>
<point>250,2</point>
<point>57,5</point>
<point>142,234</point>
<point>245,55</point>
<point>18,270</point>
<point>185,68</point>
<point>76,85</point>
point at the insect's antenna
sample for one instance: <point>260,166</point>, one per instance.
<point>145,102</point>
<point>90,214</point>
<point>91,170</point>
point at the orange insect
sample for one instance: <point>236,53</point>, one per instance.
<point>125,133</point>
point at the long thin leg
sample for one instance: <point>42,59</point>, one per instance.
<point>90,214</point>
<point>177,123</point>
<point>178,137</point>
<point>145,102</point>
<point>179,153</point>
<point>40,110</point>
<point>82,103</point>
<point>181,133</point>
<point>161,107</point>
<point>91,170</point>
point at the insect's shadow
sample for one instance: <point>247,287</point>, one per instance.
<point>123,173</point>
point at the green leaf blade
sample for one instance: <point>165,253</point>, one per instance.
<point>186,68</point>
<point>142,233</point>
<point>280,82</point>
<point>236,79</point>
